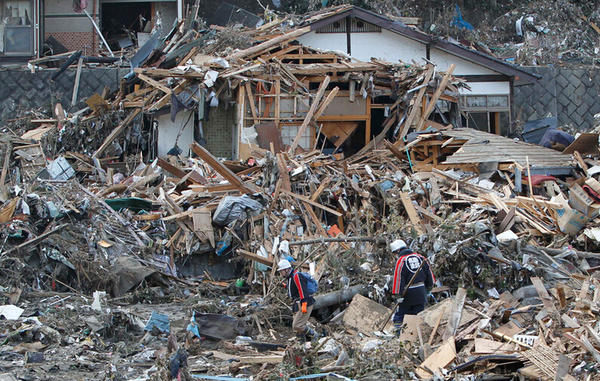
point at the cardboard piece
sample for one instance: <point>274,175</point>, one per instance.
<point>585,143</point>
<point>581,201</point>
<point>410,333</point>
<point>570,221</point>
<point>485,346</point>
<point>365,315</point>
<point>203,225</point>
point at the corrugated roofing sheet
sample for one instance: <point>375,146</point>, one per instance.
<point>482,147</point>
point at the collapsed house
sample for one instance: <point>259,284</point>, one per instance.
<point>123,212</point>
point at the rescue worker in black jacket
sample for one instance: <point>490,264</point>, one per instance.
<point>302,300</point>
<point>416,296</point>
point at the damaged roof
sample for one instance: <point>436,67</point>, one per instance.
<point>483,147</point>
<point>319,20</point>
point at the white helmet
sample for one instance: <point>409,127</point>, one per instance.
<point>283,264</point>
<point>397,245</point>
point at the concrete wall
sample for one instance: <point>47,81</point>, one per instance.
<point>23,90</point>
<point>572,95</point>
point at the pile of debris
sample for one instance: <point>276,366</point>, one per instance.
<point>119,260</point>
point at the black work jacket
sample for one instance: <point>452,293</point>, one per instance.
<point>297,290</point>
<point>406,266</point>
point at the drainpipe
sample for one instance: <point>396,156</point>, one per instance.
<point>348,39</point>
<point>180,9</point>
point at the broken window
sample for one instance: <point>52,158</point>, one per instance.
<point>16,32</point>
<point>488,113</point>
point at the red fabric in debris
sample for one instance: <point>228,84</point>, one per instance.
<point>593,194</point>
<point>537,179</point>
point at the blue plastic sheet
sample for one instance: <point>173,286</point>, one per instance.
<point>160,321</point>
<point>458,21</point>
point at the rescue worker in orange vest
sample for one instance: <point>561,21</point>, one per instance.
<point>302,300</point>
<point>416,296</point>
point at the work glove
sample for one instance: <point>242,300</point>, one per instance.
<point>400,300</point>
<point>303,308</point>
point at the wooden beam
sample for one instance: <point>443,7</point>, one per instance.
<point>219,167</point>
<point>325,182</point>
<point>546,299</point>
<point>179,173</point>
<point>415,108</point>
<point>251,102</point>
<point>255,257</point>
<point>268,45</point>
<point>277,100</point>
<point>116,132</point>
<point>155,83</point>
<point>77,80</point>
<point>37,239</point>
<point>412,213</point>
<point>399,154</point>
<point>326,102</point>
<point>435,97</point>
<point>311,202</point>
<point>283,173</point>
<point>310,114</point>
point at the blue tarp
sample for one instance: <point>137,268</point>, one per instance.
<point>160,321</point>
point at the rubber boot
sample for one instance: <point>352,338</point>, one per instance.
<point>310,334</point>
<point>301,338</point>
<point>398,328</point>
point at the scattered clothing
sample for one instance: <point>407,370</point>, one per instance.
<point>556,139</point>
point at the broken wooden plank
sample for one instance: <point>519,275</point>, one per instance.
<point>267,45</point>
<point>415,107</point>
<point>311,202</point>
<point>273,359</point>
<point>455,314</point>
<point>77,80</point>
<point>332,94</point>
<point>309,114</point>
<point>255,257</point>
<point>325,182</point>
<point>435,97</point>
<point>439,359</point>
<point>546,299</point>
<point>155,83</point>
<point>250,96</point>
<point>219,167</point>
<point>399,154</point>
<point>180,173</point>
<point>283,172</point>
<point>37,239</point>
<point>436,326</point>
<point>116,132</point>
<point>6,163</point>
<point>412,213</point>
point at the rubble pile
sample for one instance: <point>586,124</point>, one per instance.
<point>125,264</point>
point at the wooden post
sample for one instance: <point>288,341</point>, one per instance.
<point>310,114</point>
